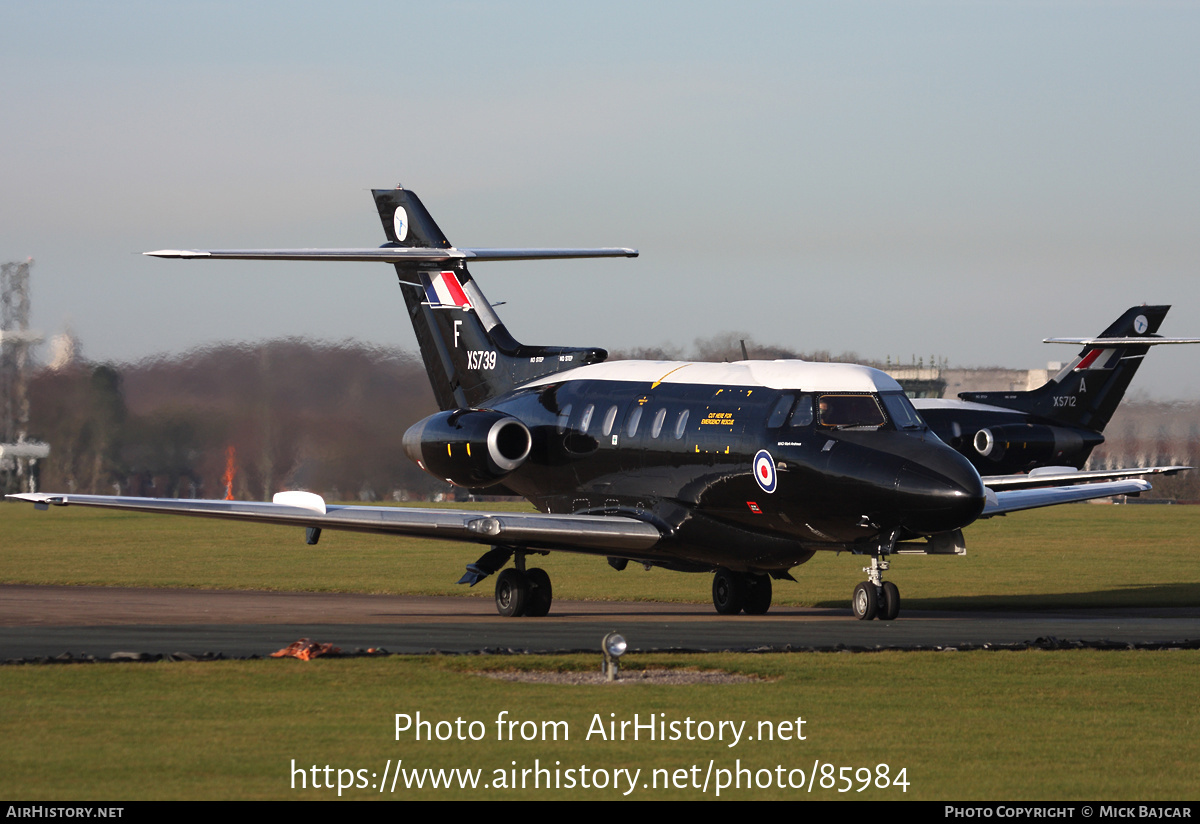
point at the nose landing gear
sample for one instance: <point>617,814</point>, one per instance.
<point>875,597</point>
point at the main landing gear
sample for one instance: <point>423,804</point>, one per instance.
<point>875,597</point>
<point>735,592</point>
<point>523,592</point>
<point>519,591</point>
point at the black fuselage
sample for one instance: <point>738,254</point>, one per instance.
<point>685,456</point>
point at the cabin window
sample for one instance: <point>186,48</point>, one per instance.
<point>610,418</point>
<point>563,417</point>
<point>681,424</point>
<point>802,415</point>
<point>779,413</point>
<point>585,420</point>
<point>849,411</point>
<point>656,428</point>
<point>635,417</point>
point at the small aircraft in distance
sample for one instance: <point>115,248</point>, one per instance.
<point>744,469</point>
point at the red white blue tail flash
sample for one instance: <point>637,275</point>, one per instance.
<point>1099,359</point>
<point>442,289</point>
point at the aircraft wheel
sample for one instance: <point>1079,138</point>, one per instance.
<point>758,594</point>
<point>541,593</point>
<point>512,593</point>
<point>729,592</point>
<point>865,602</point>
<point>889,606</point>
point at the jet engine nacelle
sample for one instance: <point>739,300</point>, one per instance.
<point>469,447</point>
<point>1037,442</point>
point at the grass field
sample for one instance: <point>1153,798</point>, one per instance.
<point>1000,725</point>
<point>1015,725</point>
<point>1069,556</point>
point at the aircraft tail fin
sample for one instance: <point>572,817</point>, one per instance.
<point>469,354</point>
<point>406,221</point>
<point>1086,392</point>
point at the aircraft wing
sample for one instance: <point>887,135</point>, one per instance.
<point>1066,476</point>
<point>594,534</point>
<point>1014,500</point>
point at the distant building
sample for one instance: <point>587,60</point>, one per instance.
<point>939,382</point>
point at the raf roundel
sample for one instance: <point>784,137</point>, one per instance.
<point>764,470</point>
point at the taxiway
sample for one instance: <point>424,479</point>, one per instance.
<point>47,621</point>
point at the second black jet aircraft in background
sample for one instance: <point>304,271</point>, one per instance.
<point>1057,425</point>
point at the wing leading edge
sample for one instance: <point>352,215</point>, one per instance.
<point>592,534</point>
<point>588,534</point>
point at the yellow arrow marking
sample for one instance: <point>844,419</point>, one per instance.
<point>664,377</point>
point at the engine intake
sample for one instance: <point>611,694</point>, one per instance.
<point>469,447</point>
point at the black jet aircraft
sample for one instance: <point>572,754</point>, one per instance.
<point>743,470</point>
<point>1056,426</point>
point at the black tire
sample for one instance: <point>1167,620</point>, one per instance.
<point>512,593</point>
<point>758,594</point>
<point>865,601</point>
<point>890,606</point>
<point>541,594</point>
<point>729,592</point>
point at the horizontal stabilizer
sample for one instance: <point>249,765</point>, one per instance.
<point>1147,341</point>
<point>392,254</point>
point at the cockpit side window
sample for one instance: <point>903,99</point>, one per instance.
<point>779,413</point>
<point>802,415</point>
<point>849,410</point>
<point>901,411</point>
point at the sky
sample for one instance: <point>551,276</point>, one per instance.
<point>957,180</point>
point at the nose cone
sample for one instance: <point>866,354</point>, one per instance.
<point>941,492</point>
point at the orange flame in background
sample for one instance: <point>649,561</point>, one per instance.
<point>230,471</point>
